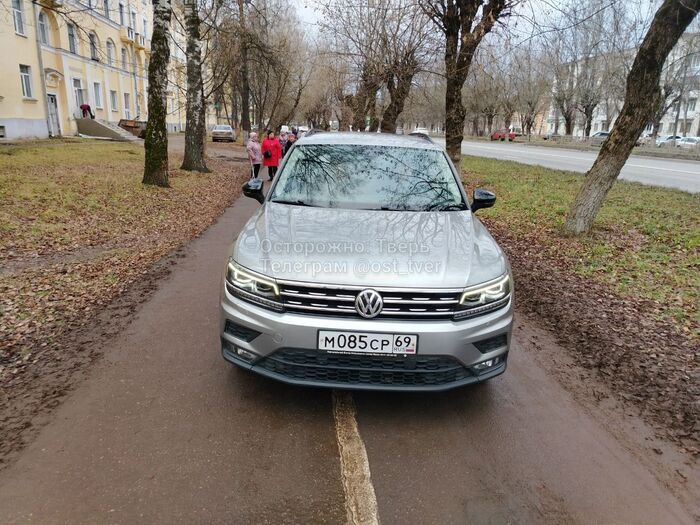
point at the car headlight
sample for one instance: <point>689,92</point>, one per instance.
<point>484,298</point>
<point>253,287</point>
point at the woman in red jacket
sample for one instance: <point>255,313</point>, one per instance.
<point>272,153</point>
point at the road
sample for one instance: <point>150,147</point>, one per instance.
<point>164,431</point>
<point>670,173</point>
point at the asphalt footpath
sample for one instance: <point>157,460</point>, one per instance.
<point>164,431</point>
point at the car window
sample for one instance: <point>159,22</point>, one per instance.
<point>368,177</point>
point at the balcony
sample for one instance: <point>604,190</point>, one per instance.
<point>126,34</point>
<point>140,41</point>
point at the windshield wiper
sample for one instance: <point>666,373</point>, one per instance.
<point>446,207</point>
<point>293,203</point>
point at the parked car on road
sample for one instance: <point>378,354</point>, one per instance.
<point>644,139</point>
<point>666,140</point>
<point>688,143</point>
<point>223,133</point>
<point>347,276</point>
<point>599,137</point>
<point>503,134</point>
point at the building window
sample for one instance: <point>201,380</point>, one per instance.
<point>43,29</point>
<point>121,13</point>
<point>72,42</point>
<point>97,90</point>
<point>691,104</point>
<point>145,28</point>
<point>110,52</point>
<point>105,6</point>
<point>93,47</point>
<point>113,101</point>
<point>25,76</point>
<point>18,15</point>
<point>127,105</point>
<point>133,20</point>
<point>145,66</point>
<point>125,60</point>
<point>78,91</point>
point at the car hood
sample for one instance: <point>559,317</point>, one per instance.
<point>368,247</point>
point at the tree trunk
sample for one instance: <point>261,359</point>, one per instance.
<point>245,86</point>
<point>156,145</point>
<point>195,126</point>
<point>568,123</point>
<point>641,97</point>
<point>489,123</point>
<point>454,119</point>
<point>361,102</point>
<point>589,123</point>
<point>507,120</point>
<point>399,93</point>
<point>358,117</point>
<point>372,112</point>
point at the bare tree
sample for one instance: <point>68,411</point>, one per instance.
<point>195,127</point>
<point>464,24</point>
<point>355,32</point>
<point>642,96</point>
<point>532,84</point>
<point>406,41</point>
<point>156,164</point>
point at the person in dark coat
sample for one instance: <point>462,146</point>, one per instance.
<point>291,139</point>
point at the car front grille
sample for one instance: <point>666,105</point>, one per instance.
<point>398,303</point>
<point>318,367</point>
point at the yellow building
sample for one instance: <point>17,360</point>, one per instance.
<point>59,54</point>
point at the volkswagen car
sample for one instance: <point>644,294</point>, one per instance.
<point>365,267</point>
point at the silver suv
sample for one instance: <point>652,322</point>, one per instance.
<point>365,268</point>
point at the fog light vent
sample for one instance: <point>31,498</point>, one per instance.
<point>487,365</point>
<point>492,343</point>
<point>241,332</point>
<point>245,354</point>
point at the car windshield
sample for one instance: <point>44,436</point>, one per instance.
<point>222,128</point>
<point>368,177</point>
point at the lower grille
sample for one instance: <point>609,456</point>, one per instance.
<point>358,370</point>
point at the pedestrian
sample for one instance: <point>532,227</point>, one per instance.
<point>291,139</point>
<point>283,139</point>
<point>254,154</point>
<point>272,153</point>
<point>87,111</point>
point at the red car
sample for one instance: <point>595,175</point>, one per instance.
<point>503,134</point>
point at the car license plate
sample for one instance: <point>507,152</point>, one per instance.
<point>367,342</point>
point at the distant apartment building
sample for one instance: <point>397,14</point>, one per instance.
<point>60,54</point>
<point>683,116</point>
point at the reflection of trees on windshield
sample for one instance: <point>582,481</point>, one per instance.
<point>359,176</point>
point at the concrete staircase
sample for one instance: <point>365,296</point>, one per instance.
<point>103,129</point>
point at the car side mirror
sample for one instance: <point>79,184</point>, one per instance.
<point>253,189</point>
<point>483,199</point>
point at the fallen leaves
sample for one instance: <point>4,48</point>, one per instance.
<point>76,237</point>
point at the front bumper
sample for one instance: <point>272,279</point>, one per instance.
<point>283,346</point>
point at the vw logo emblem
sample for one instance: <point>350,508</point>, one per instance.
<point>369,303</point>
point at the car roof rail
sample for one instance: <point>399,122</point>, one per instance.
<point>421,135</point>
<point>313,131</point>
